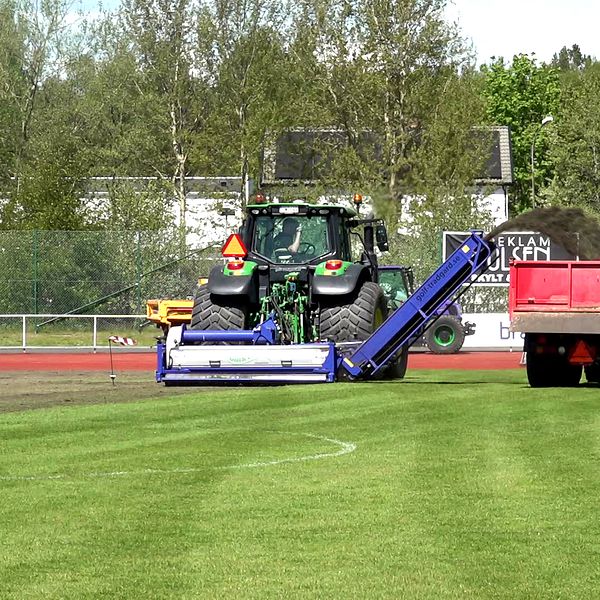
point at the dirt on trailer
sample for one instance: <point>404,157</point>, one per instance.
<point>27,390</point>
<point>571,228</point>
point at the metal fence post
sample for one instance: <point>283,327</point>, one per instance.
<point>95,334</point>
<point>138,272</point>
<point>34,254</point>
<point>24,331</point>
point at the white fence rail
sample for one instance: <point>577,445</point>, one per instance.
<point>29,323</point>
<point>491,331</point>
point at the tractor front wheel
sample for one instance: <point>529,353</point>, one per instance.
<point>445,336</point>
<point>397,368</point>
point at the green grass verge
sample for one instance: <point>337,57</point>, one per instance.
<point>462,485</point>
<point>62,336</point>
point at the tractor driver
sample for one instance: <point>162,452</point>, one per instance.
<point>289,238</point>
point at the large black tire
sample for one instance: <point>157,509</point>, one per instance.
<point>215,312</point>
<point>445,336</point>
<point>545,370</point>
<point>356,319</point>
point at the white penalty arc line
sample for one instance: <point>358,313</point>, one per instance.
<point>343,448</point>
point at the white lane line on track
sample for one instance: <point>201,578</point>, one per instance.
<point>343,448</point>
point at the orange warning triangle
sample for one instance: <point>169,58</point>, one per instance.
<point>234,247</point>
<point>582,354</point>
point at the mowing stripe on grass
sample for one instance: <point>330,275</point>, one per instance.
<point>343,448</point>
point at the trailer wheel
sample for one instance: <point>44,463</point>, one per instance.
<point>357,319</point>
<point>215,312</point>
<point>445,336</point>
<point>539,373</point>
<point>545,370</point>
<point>539,370</point>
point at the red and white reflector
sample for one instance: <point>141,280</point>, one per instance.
<point>234,247</point>
<point>582,354</point>
<point>124,341</point>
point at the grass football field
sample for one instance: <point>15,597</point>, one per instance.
<point>450,484</point>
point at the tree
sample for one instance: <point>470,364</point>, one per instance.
<point>571,59</point>
<point>33,37</point>
<point>120,117</point>
<point>241,51</point>
<point>412,50</point>
<point>395,79</point>
<point>575,145</point>
<point>40,153</point>
<point>520,96</point>
<point>163,37</point>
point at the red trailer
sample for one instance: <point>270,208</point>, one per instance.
<point>557,305</point>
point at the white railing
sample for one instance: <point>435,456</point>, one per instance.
<point>24,318</point>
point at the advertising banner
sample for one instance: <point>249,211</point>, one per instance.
<point>518,246</point>
<point>492,331</point>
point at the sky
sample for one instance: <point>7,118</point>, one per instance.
<point>508,27</point>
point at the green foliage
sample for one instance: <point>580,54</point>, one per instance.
<point>571,59</point>
<point>241,52</point>
<point>521,95</point>
<point>575,145</point>
<point>136,205</point>
<point>48,192</point>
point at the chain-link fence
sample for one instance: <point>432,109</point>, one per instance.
<point>115,272</point>
<point>108,272</point>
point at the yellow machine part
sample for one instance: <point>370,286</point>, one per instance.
<point>165,313</point>
<point>169,312</point>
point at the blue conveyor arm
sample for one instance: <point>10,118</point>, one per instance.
<point>407,323</point>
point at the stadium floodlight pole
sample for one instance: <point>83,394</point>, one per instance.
<point>547,119</point>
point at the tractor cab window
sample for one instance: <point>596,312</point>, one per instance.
<point>395,287</point>
<point>291,239</point>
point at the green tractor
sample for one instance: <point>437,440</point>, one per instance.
<point>294,261</point>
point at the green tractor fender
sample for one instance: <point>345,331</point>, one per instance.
<point>225,281</point>
<point>341,281</point>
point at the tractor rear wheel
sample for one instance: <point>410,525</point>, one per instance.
<point>215,312</point>
<point>355,320</point>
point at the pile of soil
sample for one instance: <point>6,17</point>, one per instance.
<point>570,228</point>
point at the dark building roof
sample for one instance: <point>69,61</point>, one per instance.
<point>305,155</point>
<point>499,166</point>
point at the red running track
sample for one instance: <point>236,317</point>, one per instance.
<point>146,361</point>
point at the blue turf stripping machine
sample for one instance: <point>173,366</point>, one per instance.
<point>192,356</point>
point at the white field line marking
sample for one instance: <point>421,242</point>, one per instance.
<point>343,448</point>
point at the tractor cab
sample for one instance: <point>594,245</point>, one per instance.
<point>297,234</point>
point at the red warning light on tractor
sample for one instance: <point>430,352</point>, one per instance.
<point>234,247</point>
<point>333,265</point>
